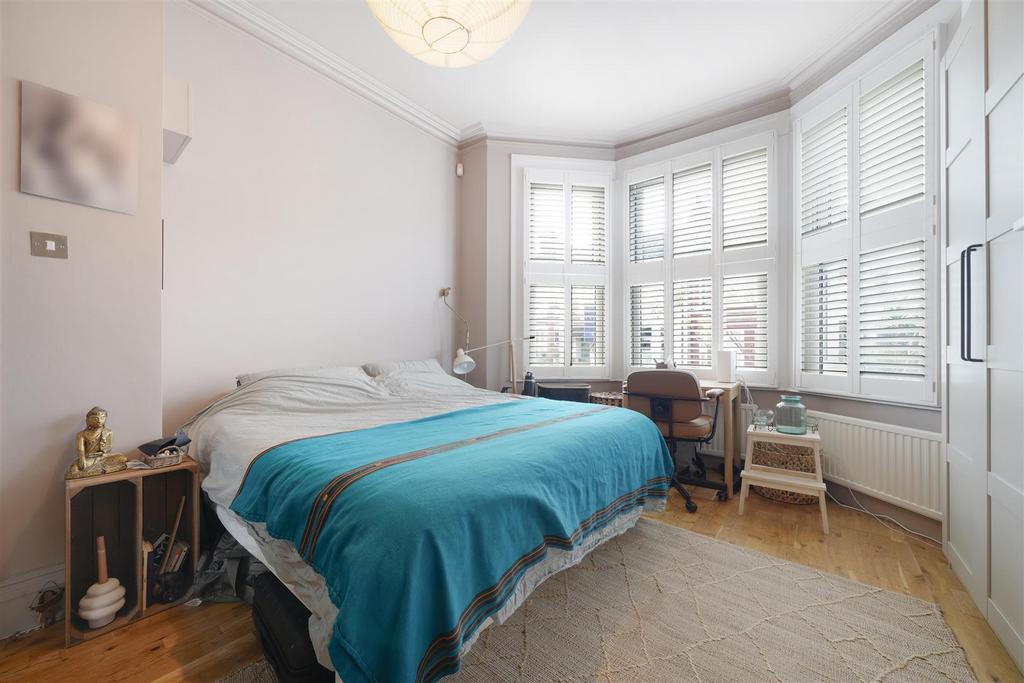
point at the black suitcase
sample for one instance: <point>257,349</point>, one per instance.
<point>282,623</point>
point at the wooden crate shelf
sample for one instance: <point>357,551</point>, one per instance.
<point>125,508</point>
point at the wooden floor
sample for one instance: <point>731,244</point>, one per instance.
<point>205,643</point>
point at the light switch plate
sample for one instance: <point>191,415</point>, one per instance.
<point>49,245</point>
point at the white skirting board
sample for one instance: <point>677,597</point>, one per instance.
<point>899,465</point>
<point>17,594</point>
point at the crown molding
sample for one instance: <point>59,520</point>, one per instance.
<point>245,16</point>
<point>852,43</point>
<point>723,118</point>
<point>766,99</point>
<point>744,106</point>
<point>470,135</point>
<point>848,45</point>
<point>478,132</point>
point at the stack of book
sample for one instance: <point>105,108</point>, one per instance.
<point>178,555</point>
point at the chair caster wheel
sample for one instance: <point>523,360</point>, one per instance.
<point>691,506</point>
<point>720,495</point>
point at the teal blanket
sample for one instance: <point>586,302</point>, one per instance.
<point>423,530</point>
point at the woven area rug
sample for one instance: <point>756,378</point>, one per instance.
<point>662,604</point>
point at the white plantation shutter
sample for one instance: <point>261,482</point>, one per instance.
<point>692,322</point>
<point>691,211</point>
<point>546,310</point>
<point>588,234</point>
<point>721,218</point>
<point>647,220</point>
<point>647,324</point>
<point>892,311</point>
<point>745,199</point>
<point>545,222</point>
<point>745,319</point>
<point>587,305</point>
<point>875,267</point>
<point>563,293</point>
<point>823,318</point>
<point>823,174</point>
<point>892,141</point>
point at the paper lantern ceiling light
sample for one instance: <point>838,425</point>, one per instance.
<point>450,33</point>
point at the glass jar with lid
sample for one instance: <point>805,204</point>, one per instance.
<point>791,415</point>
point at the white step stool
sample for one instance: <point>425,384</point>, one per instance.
<point>810,483</point>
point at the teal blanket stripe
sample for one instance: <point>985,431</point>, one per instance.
<point>417,553</point>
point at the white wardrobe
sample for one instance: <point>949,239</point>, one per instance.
<point>983,207</point>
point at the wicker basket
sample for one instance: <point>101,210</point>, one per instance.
<point>165,458</point>
<point>784,457</point>
<point>607,398</point>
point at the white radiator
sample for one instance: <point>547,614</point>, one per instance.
<point>899,465</point>
<point>717,446</point>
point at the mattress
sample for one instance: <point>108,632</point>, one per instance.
<point>280,406</point>
<point>293,572</point>
<point>457,502</point>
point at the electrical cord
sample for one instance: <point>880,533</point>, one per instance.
<point>746,390</point>
<point>859,505</point>
<point>878,518</point>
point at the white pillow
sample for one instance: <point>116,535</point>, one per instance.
<point>341,372</point>
<point>427,365</point>
<point>417,383</point>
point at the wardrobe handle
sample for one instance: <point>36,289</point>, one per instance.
<point>966,289</point>
<point>963,299</point>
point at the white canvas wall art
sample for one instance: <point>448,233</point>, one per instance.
<point>77,150</point>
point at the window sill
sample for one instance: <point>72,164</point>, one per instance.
<point>931,407</point>
<point>574,380</point>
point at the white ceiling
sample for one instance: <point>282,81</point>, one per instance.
<point>604,72</point>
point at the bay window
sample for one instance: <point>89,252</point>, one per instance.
<point>701,241</point>
<point>681,259</point>
<point>865,294</point>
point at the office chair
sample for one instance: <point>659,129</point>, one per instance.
<point>673,400</point>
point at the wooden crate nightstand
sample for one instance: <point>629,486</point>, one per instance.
<point>125,508</point>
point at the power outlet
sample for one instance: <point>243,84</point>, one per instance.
<point>49,245</point>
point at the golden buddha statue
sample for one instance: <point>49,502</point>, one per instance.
<point>93,445</point>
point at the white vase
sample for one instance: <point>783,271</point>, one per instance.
<point>104,598</point>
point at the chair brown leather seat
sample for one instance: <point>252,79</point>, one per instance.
<point>650,392</point>
<point>674,401</point>
<point>697,428</point>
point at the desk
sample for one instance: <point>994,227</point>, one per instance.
<point>731,408</point>
<point>731,414</point>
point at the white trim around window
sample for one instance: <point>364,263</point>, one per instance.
<point>729,220</point>
<point>865,236</point>
<point>559,274</point>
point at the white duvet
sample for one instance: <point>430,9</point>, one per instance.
<point>274,407</point>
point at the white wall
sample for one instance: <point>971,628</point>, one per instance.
<point>303,225</point>
<point>469,297</point>
<point>485,232</point>
<point>84,331</point>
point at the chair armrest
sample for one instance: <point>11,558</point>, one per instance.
<point>713,394</point>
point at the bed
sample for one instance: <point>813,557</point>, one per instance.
<point>408,510</point>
